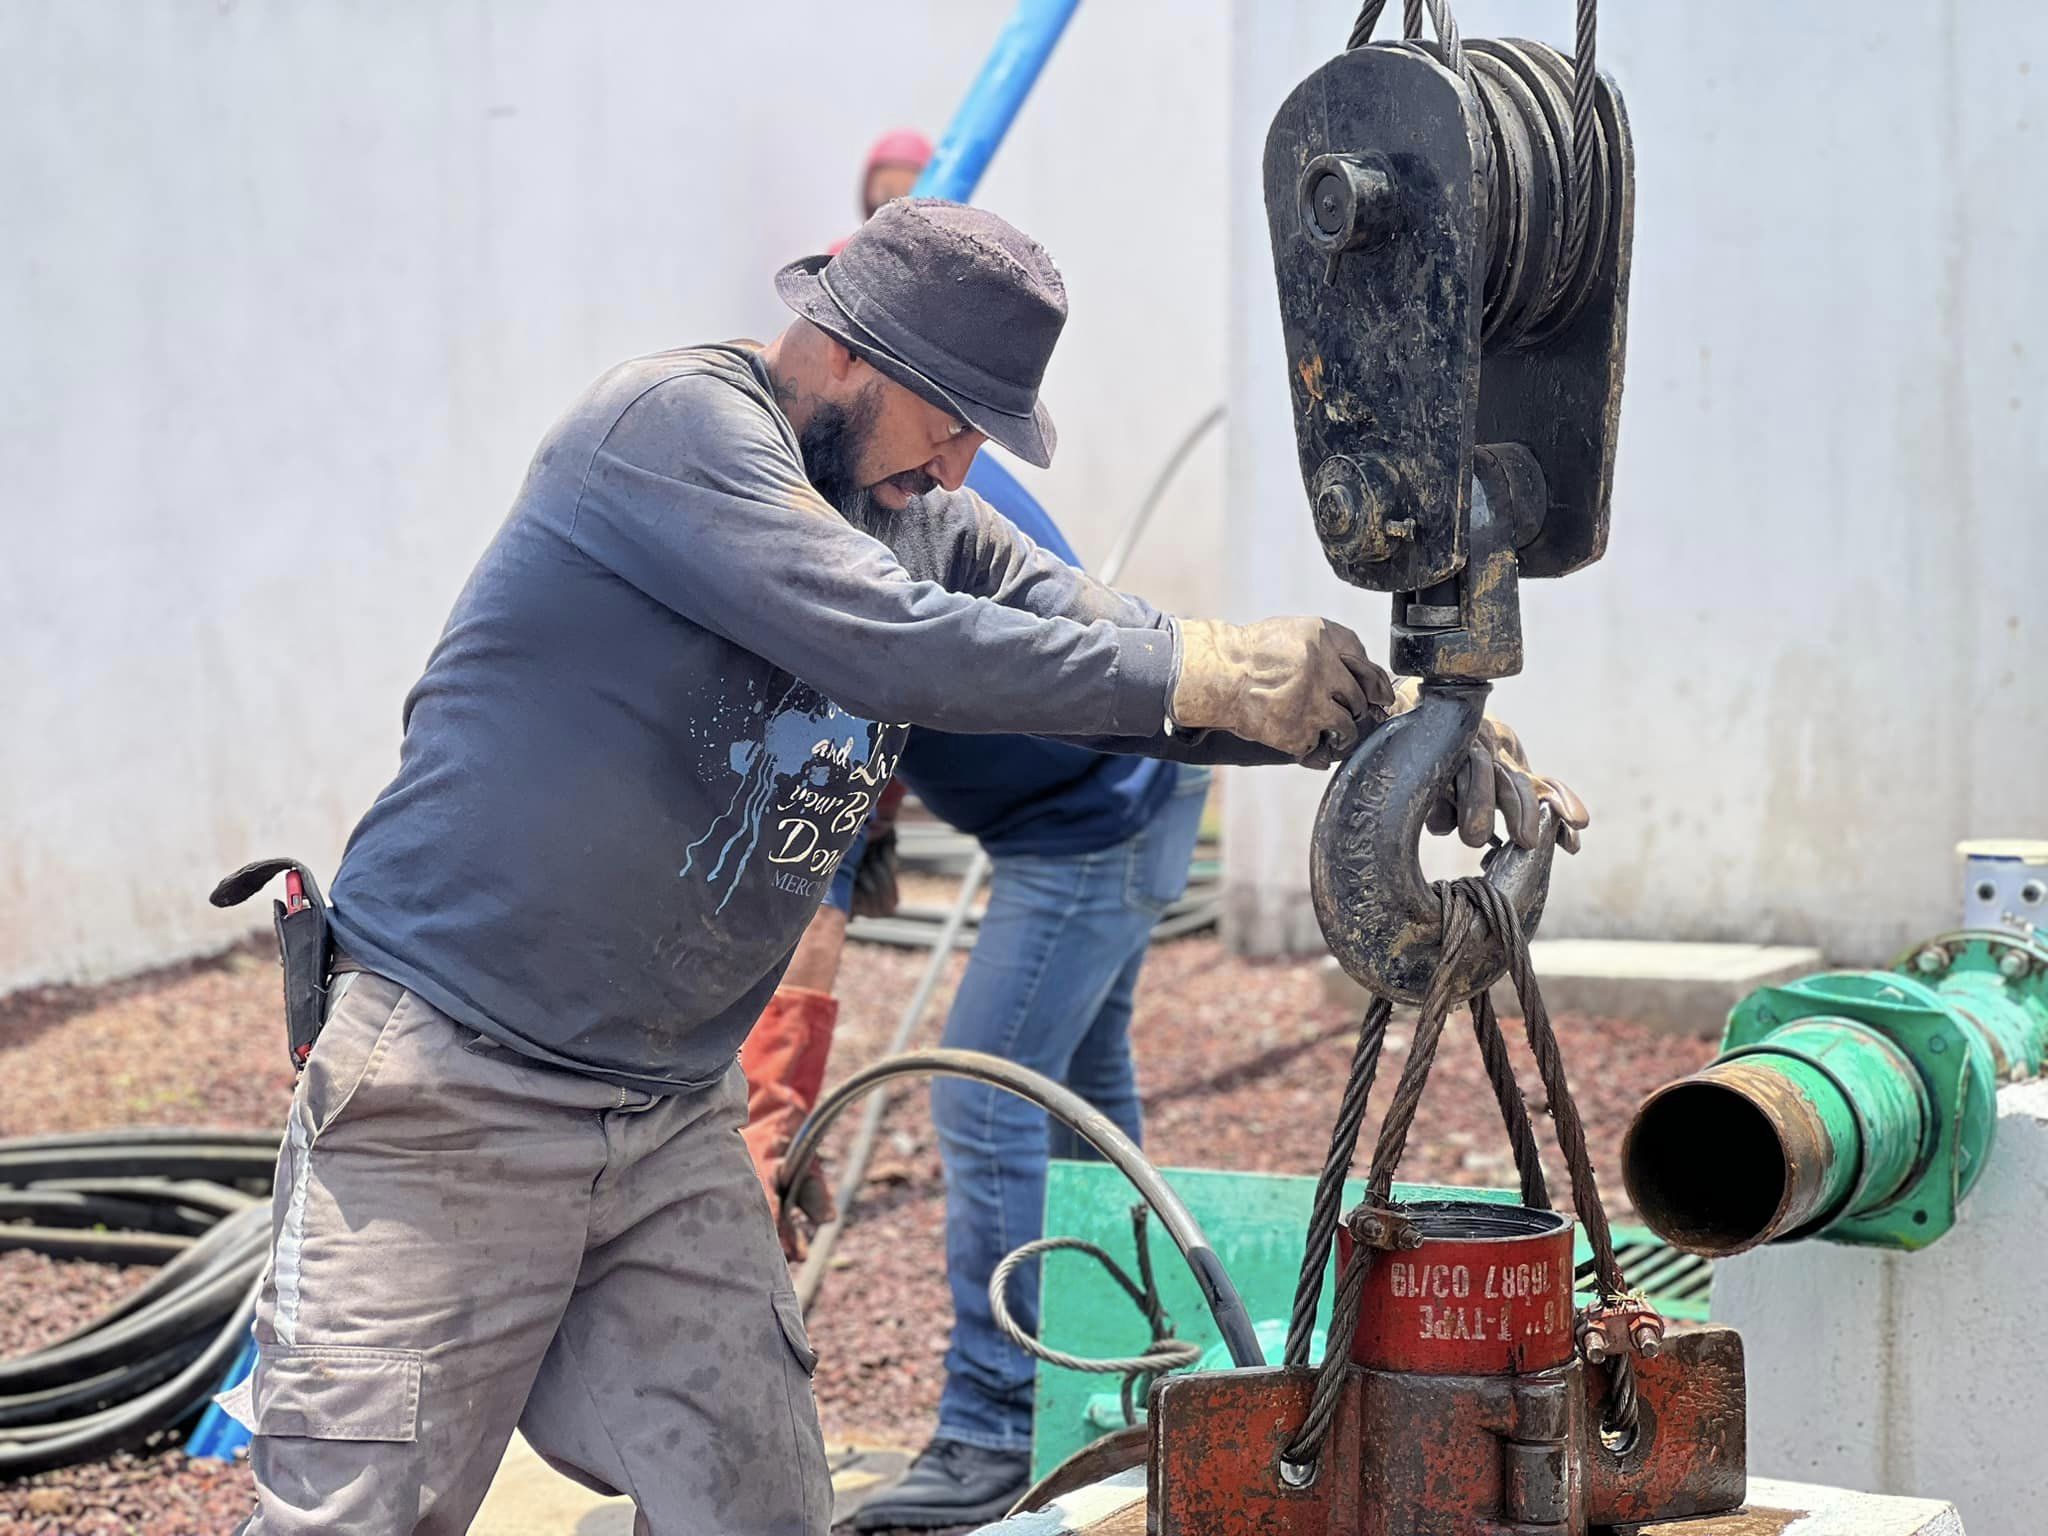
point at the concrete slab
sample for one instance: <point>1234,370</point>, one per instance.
<point>1116,1507</point>
<point>530,1498</point>
<point>1912,1373</point>
<point>1818,1511</point>
<point>1678,988</point>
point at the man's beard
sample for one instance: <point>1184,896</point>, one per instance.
<point>832,444</point>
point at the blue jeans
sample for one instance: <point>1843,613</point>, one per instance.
<point>1049,985</point>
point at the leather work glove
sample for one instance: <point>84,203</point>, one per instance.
<point>1300,685</point>
<point>875,892</point>
<point>1496,776</point>
<point>784,1062</point>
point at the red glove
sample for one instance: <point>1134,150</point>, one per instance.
<point>784,1061</point>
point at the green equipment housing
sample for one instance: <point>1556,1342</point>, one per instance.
<point>1858,1106</point>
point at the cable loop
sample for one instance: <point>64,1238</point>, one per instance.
<point>1165,1353</point>
<point>1468,906</point>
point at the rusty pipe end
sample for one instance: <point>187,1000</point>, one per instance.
<point>1730,1158</point>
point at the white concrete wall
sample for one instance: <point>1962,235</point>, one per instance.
<point>1803,670</point>
<point>288,293</point>
<point>1918,1373</point>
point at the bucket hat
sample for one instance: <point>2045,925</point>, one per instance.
<point>951,302</point>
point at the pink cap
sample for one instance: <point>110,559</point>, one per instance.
<point>901,146</point>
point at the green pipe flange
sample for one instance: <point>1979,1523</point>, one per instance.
<point>2002,980</point>
<point>1955,1064</point>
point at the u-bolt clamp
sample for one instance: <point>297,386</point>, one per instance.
<point>1379,915</point>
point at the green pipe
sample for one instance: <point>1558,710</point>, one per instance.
<point>1825,1118</point>
<point>1856,1105</point>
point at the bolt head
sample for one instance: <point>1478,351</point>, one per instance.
<point>2012,965</point>
<point>1336,511</point>
<point>1331,203</point>
<point>1931,960</point>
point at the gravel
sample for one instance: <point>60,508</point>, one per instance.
<point>1241,1065</point>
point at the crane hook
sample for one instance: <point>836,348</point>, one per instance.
<point>1378,913</point>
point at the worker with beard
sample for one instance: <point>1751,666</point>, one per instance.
<point>512,1190</point>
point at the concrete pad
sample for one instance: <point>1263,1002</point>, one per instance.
<point>1912,1373</point>
<point>1818,1511</point>
<point>1116,1507</point>
<point>530,1498</point>
<point>1676,988</point>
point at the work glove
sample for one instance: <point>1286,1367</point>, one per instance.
<point>784,1062</point>
<point>1495,776</point>
<point>1300,685</point>
<point>875,892</point>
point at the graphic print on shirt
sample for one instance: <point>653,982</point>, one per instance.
<point>807,778</point>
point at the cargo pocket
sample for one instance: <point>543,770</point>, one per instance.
<point>790,1314</point>
<point>334,1392</point>
<point>813,1480</point>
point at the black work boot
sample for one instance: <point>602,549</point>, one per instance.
<point>950,1483</point>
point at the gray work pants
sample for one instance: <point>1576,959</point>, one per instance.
<point>463,1242</point>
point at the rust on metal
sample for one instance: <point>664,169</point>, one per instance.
<point>1417,1454</point>
<point>1689,1455</point>
<point>1311,371</point>
<point>1216,1443</point>
<point>1453,1455</point>
<point>1617,1327</point>
<point>1747,1205</point>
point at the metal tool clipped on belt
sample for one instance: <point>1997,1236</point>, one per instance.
<point>305,944</point>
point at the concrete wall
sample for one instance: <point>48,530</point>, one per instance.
<point>1911,1372</point>
<point>1803,670</point>
<point>289,293</point>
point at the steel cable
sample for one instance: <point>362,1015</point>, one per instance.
<point>1165,1353</point>
<point>1458,921</point>
<point>1329,1198</point>
<point>1514,1109</point>
<point>1440,18</point>
<point>1585,82</point>
<point>1467,906</point>
<point>1622,1411</point>
<point>1580,156</point>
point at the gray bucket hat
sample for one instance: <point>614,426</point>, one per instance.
<point>952,303</point>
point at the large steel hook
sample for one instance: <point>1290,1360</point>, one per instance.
<point>1378,914</point>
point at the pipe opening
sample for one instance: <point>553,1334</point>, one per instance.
<point>1705,1169</point>
<point>1478,1220</point>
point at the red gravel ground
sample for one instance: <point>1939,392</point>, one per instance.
<point>1241,1065</point>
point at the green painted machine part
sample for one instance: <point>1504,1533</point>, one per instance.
<point>1853,1105</point>
<point>1255,1222</point>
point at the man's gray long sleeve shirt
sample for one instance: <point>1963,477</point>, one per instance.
<point>664,704</point>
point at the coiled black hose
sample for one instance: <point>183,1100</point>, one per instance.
<point>193,1202</point>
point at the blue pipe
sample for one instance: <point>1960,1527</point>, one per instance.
<point>992,102</point>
